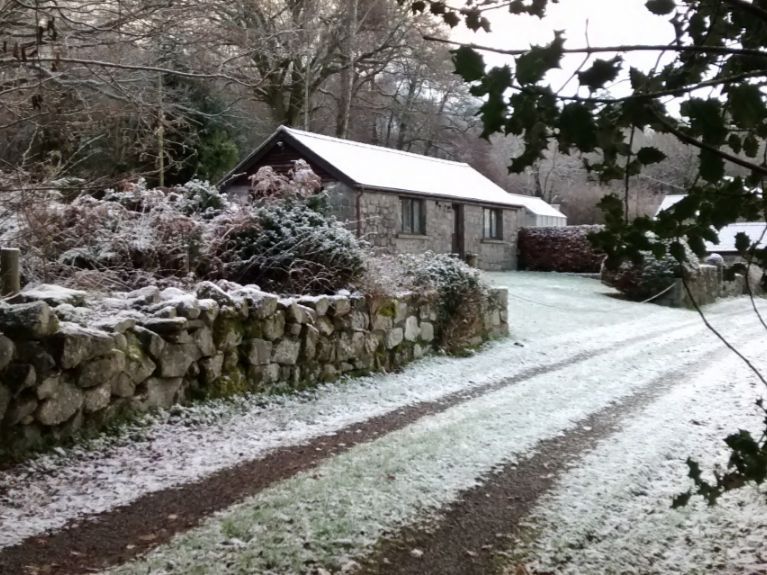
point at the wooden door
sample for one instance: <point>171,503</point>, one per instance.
<point>458,231</point>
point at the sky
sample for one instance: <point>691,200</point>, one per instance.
<point>610,22</point>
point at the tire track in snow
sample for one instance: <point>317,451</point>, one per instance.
<point>50,490</point>
<point>152,519</point>
<point>323,518</point>
<point>469,534</point>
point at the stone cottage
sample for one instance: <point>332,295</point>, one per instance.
<point>403,202</point>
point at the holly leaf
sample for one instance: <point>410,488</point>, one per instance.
<point>469,63</point>
<point>451,19</point>
<point>535,8</point>
<point>751,146</point>
<point>711,166</point>
<point>706,119</point>
<point>533,65</point>
<point>601,72</point>
<point>746,105</point>
<point>742,242</point>
<point>437,8</point>
<point>660,7</point>
<point>650,155</point>
<point>474,19</point>
<point>577,128</point>
<point>734,142</point>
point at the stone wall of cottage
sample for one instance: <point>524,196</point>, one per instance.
<point>69,362</point>
<point>380,224</point>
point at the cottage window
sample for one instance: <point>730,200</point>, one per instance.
<point>492,223</point>
<point>413,216</point>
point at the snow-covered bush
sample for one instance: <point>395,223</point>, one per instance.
<point>195,198</point>
<point>128,236</point>
<point>644,280</point>
<point>288,247</point>
<point>460,288</point>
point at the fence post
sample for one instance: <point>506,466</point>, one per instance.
<point>10,276</point>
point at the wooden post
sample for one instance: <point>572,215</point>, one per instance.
<point>10,277</point>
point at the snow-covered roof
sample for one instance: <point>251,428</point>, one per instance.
<point>668,201</point>
<point>387,169</point>
<point>756,231</point>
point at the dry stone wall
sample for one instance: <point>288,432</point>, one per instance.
<point>70,362</point>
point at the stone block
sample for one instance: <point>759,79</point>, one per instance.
<point>325,326</point>
<point>294,329</point>
<point>123,385</point>
<point>286,352</point>
<point>212,367</point>
<point>176,359</point>
<point>5,400</point>
<point>311,338</point>
<point>20,408</point>
<point>411,328</point>
<point>360,321</point>
<point>152,342</point>
<point>326,351</point>
<point>203,339</point>
<point>19,376</point>
<point>341,306</point>
<point>274,325</point>
<point>162,392</point>
<point>259,351</point>
<point>227,332</point>
<point>97,398</point>
<point>48,387</point>
<point>394,337</point>
<point>329,372</point>
<point>60,407</point>
<point>400,311</point>
<point>75,344</point>
<point>102,370</point>
<point>165,326</point>
<point>427,331</point>
<point>32,320</point>
<point>139,367</point>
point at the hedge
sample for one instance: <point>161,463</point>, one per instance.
<point>559,249</point>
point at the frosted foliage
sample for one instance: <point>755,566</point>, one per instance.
<point>300,182</point>
<point>135,235</point>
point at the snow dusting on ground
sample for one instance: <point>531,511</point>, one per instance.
<point>329,515</point>
<point>612,513</point>
<point>193,442</point>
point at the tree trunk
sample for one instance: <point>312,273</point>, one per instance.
<point>347,73</point>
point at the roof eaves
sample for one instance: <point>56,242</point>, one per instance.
<point>400,191</point>
<point>280,134</point>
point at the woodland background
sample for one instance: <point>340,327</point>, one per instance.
<point>95,94</point>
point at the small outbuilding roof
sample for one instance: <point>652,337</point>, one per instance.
<point>386,169</point>
<point>756,231</point>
